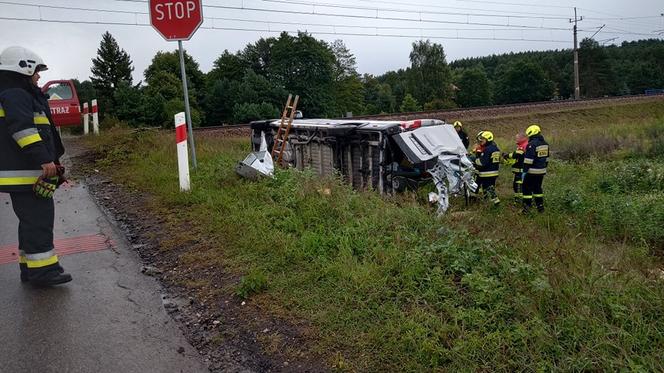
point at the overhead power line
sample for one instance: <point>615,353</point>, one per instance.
<point>412,4</point>
<point>357,7</point>
<point>351,16</point>
<point>278,31</point>
<point>519,4</point>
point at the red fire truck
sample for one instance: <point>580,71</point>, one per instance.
<point>63,99</point>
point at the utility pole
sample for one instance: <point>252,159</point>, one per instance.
<point>577,88</point>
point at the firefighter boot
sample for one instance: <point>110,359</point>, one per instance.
<point>491,193</point>
<point>527,203</point>
<point>539,202</point>
<point>53,276</point>
<point>24,272</point>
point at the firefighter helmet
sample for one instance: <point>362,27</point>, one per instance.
<point>486,135</point>
<point>458,124</point>
<point>21,60</point>
<point>533,130</point>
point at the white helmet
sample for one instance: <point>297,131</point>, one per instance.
<point>21,60</point>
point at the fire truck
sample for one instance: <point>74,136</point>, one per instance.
<point>63,100</point>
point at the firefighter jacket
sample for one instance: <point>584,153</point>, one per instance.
<point>536,157</point>
<point>27,138</point>
<point>515,158</point>
<point>464,138</point>
<point>488,162</point>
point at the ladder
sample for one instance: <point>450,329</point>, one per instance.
<point>284,129</point>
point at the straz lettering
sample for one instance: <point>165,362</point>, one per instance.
<point>59,110</point>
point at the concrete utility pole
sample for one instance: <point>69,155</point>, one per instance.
<point>577,88</point>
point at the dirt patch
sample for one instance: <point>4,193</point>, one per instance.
<point>231,334</point>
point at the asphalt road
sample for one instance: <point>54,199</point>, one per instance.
<point>110,318</point>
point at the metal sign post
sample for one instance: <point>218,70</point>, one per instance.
<point>179,20</point>
<point>187,109</point>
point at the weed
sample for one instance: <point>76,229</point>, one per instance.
<point>253,283</point>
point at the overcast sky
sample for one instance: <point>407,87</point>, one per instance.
<point>456,24</point>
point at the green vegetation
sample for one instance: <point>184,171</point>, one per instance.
<point>388,286</point>
<point>629,68</point>
<point>254,82</point>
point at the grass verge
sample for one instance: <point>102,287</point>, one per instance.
<point>388,286</point>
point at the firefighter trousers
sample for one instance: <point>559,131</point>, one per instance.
<point>35,235</point>
<point>488,186</point>
<point>532,190</point>
<point>517,186</point>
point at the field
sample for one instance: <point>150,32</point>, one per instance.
<point>383,284</point>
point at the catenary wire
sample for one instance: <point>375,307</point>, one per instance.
<point>279,31</point>
<point>304,13</point>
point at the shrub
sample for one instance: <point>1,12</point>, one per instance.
<point>253,283</point>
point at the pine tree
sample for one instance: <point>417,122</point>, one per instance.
<point>110,69</point>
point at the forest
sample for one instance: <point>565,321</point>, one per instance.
<point>252,83</point>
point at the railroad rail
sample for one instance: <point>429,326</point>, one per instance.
<point>479,113</point>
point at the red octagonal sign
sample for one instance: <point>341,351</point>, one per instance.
<point>176,19</point>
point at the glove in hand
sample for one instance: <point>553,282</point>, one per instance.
<point>44,188</point>
<point>61,174</point>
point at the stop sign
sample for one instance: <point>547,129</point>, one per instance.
<point>176,19</point>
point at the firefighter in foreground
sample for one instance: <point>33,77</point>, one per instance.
<point>535,161</point>
<point>29,151</point>
<point>515,159</point>
<point>487,162</point>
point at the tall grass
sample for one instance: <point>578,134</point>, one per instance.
<point>388,286</point>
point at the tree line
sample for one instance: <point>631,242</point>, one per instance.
<point>253,83</point>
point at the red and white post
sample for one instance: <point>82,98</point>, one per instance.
<point>86,119</point>
<point>183,151</point>
<point>95,117</point>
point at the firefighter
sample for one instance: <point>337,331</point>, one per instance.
<point>28,170</point>
<point>487,164</point>
<point>535,161</point>
<point>515,159</point>
<point>458,126</point>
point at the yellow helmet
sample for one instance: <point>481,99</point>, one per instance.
<point>458,124</point>
<point>533,130</point>
<point>488,136</point>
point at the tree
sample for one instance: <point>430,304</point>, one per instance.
<point>474,87</point>
<point>409,104</point>
<point>522,81</point>
<point>164,83</point>
<point>228,66</point>
<point>110,68</point>
<point>348,90</point>
<point>345,63</point>
<point>86,91</point>
<point>219,100</point>
<point>130,104</point>
<point>430,76</point>
<point>305,66</point>
<point>170,62</point>
<point>596,76</point>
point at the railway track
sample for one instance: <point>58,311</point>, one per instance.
<point>475,113</point>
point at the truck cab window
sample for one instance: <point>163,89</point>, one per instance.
<point>60,91</point>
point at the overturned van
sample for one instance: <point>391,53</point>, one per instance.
<point>386,156</point>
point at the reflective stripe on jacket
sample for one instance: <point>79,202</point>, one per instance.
<point>26,139</point>
<point>488,162</point>
<point>536,157</point>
